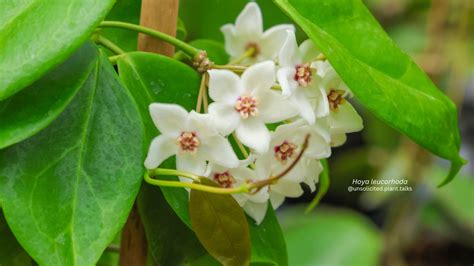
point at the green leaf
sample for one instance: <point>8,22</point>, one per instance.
<point>126,11</point>
<point>323,186</point>
<point>155,78</point>
<point>220,225</point>
<point>268,244</point>
<point>215,50</point>
<point>35,107</point>
<point>67,191</point>
<point>330,237</point>
<point>162,227</point>
<point>382,77</point>
<point>11,253</point>
<point>38,35</point>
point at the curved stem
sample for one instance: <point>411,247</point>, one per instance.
<point>248,53</point>
<point>173,172</point>
<point>188,49</point>
<point>201,187</point>
<point>109,45</point>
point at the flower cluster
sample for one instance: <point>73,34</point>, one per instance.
<point>289,88</point>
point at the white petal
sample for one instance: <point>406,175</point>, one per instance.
<point>338,139</point>
<point>260,76</point>
<point>201,124</point>
<point>256,210</point>
<point>224,117</point>
<point>289,53</point>
<point>161,148</point>
<point>285,79</point>
<point>287,188</point>
<point>318,147</point>
<point>273,40</point>
<point>314,169</point>
<point>322,105</point>
<point>234,45</point>
<point>276,200</point>
<point>191,163</point>
<point>217,149</point>
<point>274,107</point>
<point>168,118</point>
<point>308,51</point>
<point>263,166</point>
<point>305,110</point>
<point>249,22</point>
<point>224,86</point>
<point>254,134</point>
<point>346,120</point>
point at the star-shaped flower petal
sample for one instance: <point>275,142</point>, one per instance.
<point>247,103</point>
<point>247,33</point>
<point>285,146</point>
<point>297,75</point>
<point>254,205</point>
<point>190,136</point>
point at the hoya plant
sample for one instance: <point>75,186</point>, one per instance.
<point>202,145</point>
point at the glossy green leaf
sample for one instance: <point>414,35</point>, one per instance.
<point>126,11</point>
<point>323,186</point>
<point>35,107</point>
<point>162,227</point>
<point>155,78</point>
<point>220,225</point>
<point>203,19</point>
<point>215,50</point>
<point>67,191</point>
<point>11,253</point>
<point>37,35</point>
<point>330,237</point>
<point>268,244</point>
<point>382,77</point>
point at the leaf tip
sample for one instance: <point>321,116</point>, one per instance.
<point>455,168</point>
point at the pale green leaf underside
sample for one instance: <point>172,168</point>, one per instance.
<point>36,35</point>
<point>383,78</point>
<point>67,191</point>
<point>35,107</point>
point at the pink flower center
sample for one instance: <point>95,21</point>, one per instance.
<point>303,74</point>
<point>285,151</point>
<point>335,98</point>
<point>188,142</point>
<point>225,179</point>
<point>246,106</point>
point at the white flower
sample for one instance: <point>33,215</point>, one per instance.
<point>297,74</point>
<point>286,144</point>
<point>189,136</point>
<point>254,205</point>
<point>341,117</point>
<point>248,33</point>
<point>246,103</point>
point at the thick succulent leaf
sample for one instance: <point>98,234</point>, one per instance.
<point>35,107</point>
<point>67,191</point>
<point>330,237</point>
<point>37,35</point>
<point>382,77</point>
<point>323,186</point>
<point>11,253</point>
<point>215,50</point>
<point>162,227</point>
<point>155,78</point>
<point>126,11</point>
<point>220,225</point>
<point>268,244</point>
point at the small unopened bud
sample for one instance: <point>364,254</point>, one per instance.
<point>201,62</point>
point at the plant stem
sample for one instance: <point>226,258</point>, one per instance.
<point>109,45</point>
<point>233,68</point>
<point>201,187</point>
<point>241,146</point>
<point>248,53</point>
<point>188,49</point>
<point>165,171</point>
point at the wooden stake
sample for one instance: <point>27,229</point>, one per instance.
<point>160,15</point>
